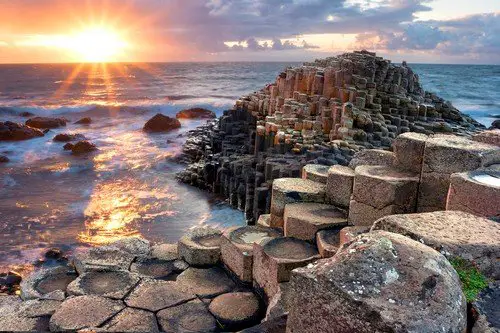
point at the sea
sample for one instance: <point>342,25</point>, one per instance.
<point>49,198</point>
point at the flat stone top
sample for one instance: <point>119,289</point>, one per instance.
<point>290,248</point>
<point>459,142</point>
<point>317,169</point>
<point>329,236</point>
<point>208,241</point>
<point>412,136</point>
<point>248,235</point>
<point>486,178</point>
<point>203,236</point>
<point>297,185</point>
<point>341,170</point>
<point>386,173</point>
<point>315,213</point>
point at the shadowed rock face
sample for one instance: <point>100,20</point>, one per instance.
<point>290,248</point>
<point>63,137</point>
<point>161,123</point>
<point>405,286</point>
<point>45,122</point>
<point>236,310</point>
<point>10,131</point>
<point>195,113</point>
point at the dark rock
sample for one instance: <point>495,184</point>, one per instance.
<point>26,114</point>
<point>12,278</point>
<point>161,123</point>
<point>10,131</point>
<point>486,310</point>
<point>45,131</point>
<point>275,325</point>
<point>195,113</point>
<point>84,121</point>
<point>46,122</point>
<point>64,137</point>
<point>68,146</point>
<point>54,253</point>
<point>83,147</point>
<point>4,159</point>
<point>495,124</point>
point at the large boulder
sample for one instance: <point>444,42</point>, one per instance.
<point>195,113</point>
<point>83,147</point>
<point>84,121</point>
<point>10,131</point>
<point>161,123</point>
<point>65,137</point>
<point>45,122</point>
<point>380,282</point>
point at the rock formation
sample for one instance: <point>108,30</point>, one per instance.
<point>10,131</point>
<point>45,122</point>
<point>161,123</point>
<point>195,113</point>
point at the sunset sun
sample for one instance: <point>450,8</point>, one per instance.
<point>97,44</point>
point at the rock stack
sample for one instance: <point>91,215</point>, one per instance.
<point>323,113</point>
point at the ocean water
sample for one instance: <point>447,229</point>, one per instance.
<point>50,198</point>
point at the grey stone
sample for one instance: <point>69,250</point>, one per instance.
<point>104,257</point>
<point>404,286</point>
<point>186,318</point>
<point>486,310</point>
<point>44,283</point>
<point>132,320</point>
<point>157,268</point>
<point>112,284</point>
<point>201,246</point>
<point>134,245</point>
<point>205,282</point>
<point>154,295</point>
<point>164,251</point>
<point>235,311</point>
<point>80,312</point>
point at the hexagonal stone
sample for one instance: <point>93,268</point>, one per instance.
<point>236,311</point>
<point>205,282</point>
<point>443,156</point>
<point>380,191</point>
<point>132,320</point>
<point>409,151</point>
<point>339,185</point>
<point>158,268</point>
<point>291,190</point>
<point>164,251</point>
<point>475,192</point>
<point>201,246</point>
<point>37,308</point>
<point>315,172</point>
<point>453,233</point>
<point>80,312</point>
<point>133,245</point>
<point>112,284</point>
<point>304,220</point>
<point>328,242</point>
<point>372,157</point>
<point>104,257</point>
<point>154,295</point>
<point>274,261</point>
<point>237,248</point>
<point>45,283</point>
<point>28,316</point>
<point>188,317</point>
<point>17,323</point>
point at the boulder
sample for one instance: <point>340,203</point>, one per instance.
<point>404,286</point>
<point>80,312</point>
<point>45,122</point>
<point>453,233</point>
<point>236,311</point>
<point>192,316</point>
<point>64,137</point>
<point>161,123</point>
<point>84,121</point>
<point>154,295</point>
<point>495,124</point>
<point>195,113</point>
<point>83,147</point>
<point>201,246</point>
<point>10,131</point>
<point>68,146</point>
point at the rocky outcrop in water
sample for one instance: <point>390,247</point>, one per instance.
<point>64,137</point>
<point>83,147</point>
<point>161,123</point>
<point>195,113</point>
<point>10,131</point>
<point>46,122</point>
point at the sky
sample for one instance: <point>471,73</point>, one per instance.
<point>423,31</point>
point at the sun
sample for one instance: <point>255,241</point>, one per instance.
<point>97,44</point>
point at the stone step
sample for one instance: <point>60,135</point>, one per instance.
<point>339,185</point>
<point>200,246</point>
<point>453,233</point>
<point>315,172</point>
<point>303,220</point>
<point>237,248</point>
<point>380,191</point>
<point>291,190</point>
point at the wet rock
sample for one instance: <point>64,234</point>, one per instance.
<point>111,284</point>
<point>201,246</point>
<point>68,146</point>
<point>64,137</point>
<point>104,257</point>
<point>26,114</point>
<point>405,287</point>
<point>132,320</point>
<point>161,123</point>
<point>486,309</point>
<point>45,122</point>
<point>10,131</point>
<point>84,121</point>
<point>195,113</point>
<point>495,124</point>
<point>4,159</point>
<point>188,317</point>
<point>53,253</point>
<point>133,245</point>
<point>453,233</point>
<point>80,312</point>
<point>83,147</point>
<point>11,278</point>
<point>205,282</point>
<point>47,283</point>
<point>236,311</point>
<point>154,295</point>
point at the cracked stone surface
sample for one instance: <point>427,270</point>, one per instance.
<point>46,282</point>
<point>236,310</point>
<point>80,312</point>
<point>112,284</point>
<point>205,282</point>
<point>132,320</point>
<point>154,295</point>
<point>105,257</point>
<point>155,268</point>
<point>188,317</point>
<point>133,245</point>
